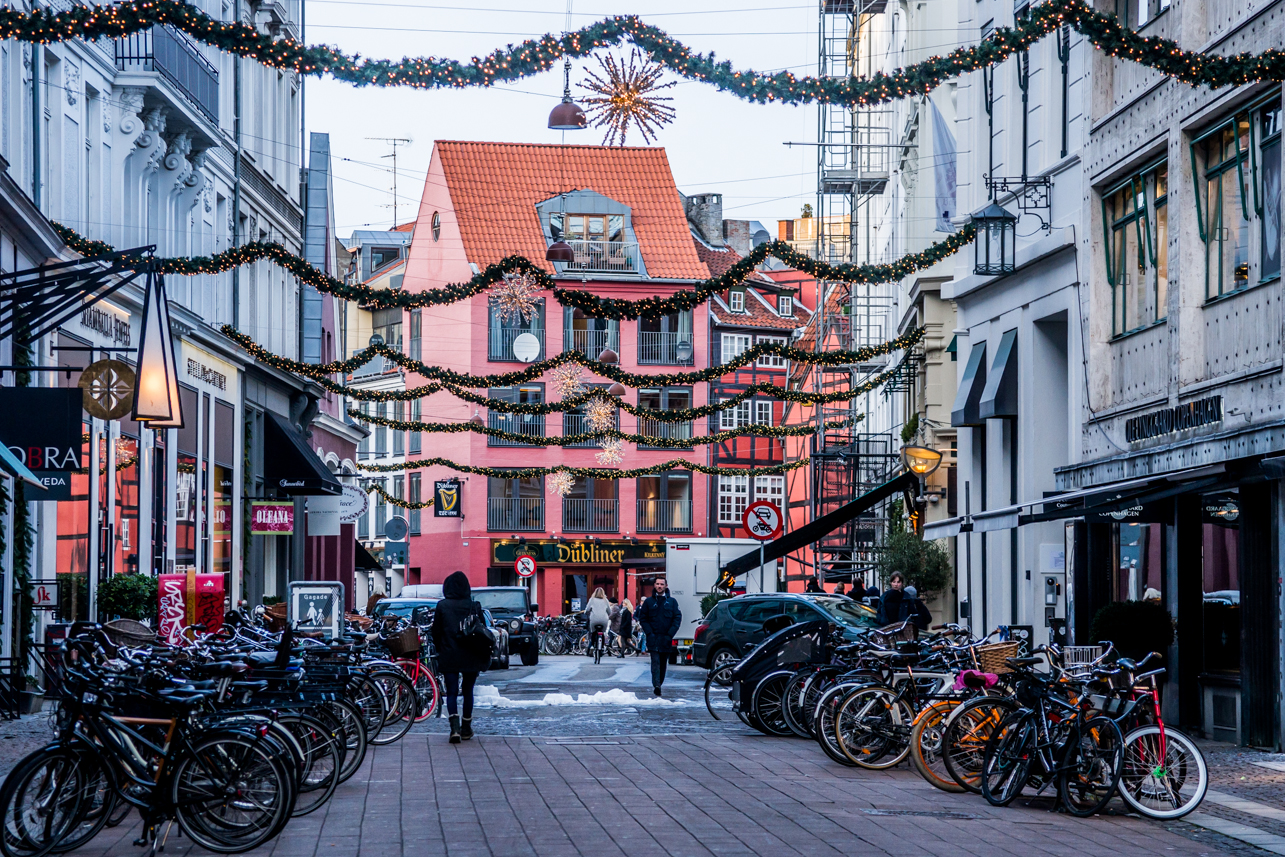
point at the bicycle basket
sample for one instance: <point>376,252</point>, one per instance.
<point>1080,655</point>
<point>992,656</point>
<point>128,632</point>
<point>404,642</point>
<point>901,632</point>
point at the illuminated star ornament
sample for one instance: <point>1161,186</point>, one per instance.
<point>626,94</point>
<point>515,296</point>
<point>567,380</point>
<point>561,483</point>
<point>612,452</point>
<point>600,415</point>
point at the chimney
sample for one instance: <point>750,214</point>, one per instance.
<point>705,212</point>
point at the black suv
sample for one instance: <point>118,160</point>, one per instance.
<point>735,625</point>
<point>512,605</point>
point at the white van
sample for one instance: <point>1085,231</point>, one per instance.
<point>421,590</point>
<point>691,570</point>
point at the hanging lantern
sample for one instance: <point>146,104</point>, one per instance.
<point>996,241</point>
<point>156,398</point>
<point>560,251</point>
<point>616,389</point>
<point>567,116</point>
<point>608,356</point>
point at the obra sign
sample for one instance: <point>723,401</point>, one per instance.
<point>1201,412</point>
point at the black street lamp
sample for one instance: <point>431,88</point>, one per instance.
<point>996,241</point>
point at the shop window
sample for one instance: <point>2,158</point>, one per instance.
<point>1221,582</point>
<point>1138,574</point>
<point>1136,214</point>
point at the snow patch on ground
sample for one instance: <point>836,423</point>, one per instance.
<point>488,696</point>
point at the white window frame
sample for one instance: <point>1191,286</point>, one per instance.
<point>733,498</point>
<point>771,488</point>
<point>736,300</point>
<point>763,412</point>
<point>735,344</point>
<point>785,306</point>
<point>735,417</point>
<point>772,361</point>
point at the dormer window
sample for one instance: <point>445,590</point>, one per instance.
<point>587,227</point>
<point>736,300</point>
<point>785,305</point>
<point>597,229</point>
<point>381,256</point>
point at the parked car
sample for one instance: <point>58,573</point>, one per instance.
<point>512,605</point>
<point>735,625</point>
<point>406,608</point>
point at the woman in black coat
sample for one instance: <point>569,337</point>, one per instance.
<point>457,655</point>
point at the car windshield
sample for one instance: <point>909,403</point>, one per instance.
<point>400,608</point>
<point>848,612</point>
<point>503,600</point>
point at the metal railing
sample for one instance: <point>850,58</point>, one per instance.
<point>575,423</point>
<point>590,342</point>
<point>527,425</point>
<point>516,515</point>
<point>607,256</point>
<point>664,516</point>
<point>175,57</point>
<point>662,348</point>
<point>500,343</point>
<point>663,431</point>
<point>590,516</point>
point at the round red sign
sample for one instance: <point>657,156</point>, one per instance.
<point>524,566</point>
<point>762,520</point>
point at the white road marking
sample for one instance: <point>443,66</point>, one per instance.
<point>552,673</point>
<point>629,674</point>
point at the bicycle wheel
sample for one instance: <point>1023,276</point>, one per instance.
<point>1162,783</point>
<point>426,688</point>
<point>793,706</point>
<point>40,800</point>
<point>1091,765</point>
<point>98,804</point>
<point>872,728</point>
<point>926,744</point>
<point>401,703</point>
<point>352,732</point>
<point>368,699</point>
<point>964,741</point>
<point>766,704</point>
<point>823,722</point>
<point>1007,760</point>
<point>231,793</point>
<point>322,763</point>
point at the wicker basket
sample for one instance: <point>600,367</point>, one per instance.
<point>128,632</point>
<point>274,617</point>
<point>991,657</point>
<point>404,643</point>
<point>901,632</point>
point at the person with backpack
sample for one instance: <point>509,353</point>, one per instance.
<point>914,609</point>
<point>464,646</point>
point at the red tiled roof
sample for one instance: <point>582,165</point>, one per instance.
<point>757,315</point>
<point>495,187</point>
<point>719,259</point>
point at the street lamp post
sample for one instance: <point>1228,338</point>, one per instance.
<point>921,461</point>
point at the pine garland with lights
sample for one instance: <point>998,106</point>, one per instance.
<point>586,472</point>
<point>399,502</point>
<point>533,56</point>
<point>532,371</point>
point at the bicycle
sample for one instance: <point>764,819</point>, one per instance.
<point>597,644</point>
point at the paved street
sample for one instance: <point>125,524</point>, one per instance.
<point>549,776</point>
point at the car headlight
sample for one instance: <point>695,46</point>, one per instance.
<point>515,625</point>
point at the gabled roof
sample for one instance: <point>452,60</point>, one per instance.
<point>494,188</point>
<point>760,302</point>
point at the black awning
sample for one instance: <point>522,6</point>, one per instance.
<point>366,562</point>
<point>965,410</point>
<point>288,463</point>
<point>999,397</point>
<point>809,533</point>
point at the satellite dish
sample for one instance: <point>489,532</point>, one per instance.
<point>683,350</point>
<point>526,347</point>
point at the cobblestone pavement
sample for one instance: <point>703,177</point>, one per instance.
<point>551,776</point>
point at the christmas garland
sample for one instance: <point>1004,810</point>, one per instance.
<point>587,472</point>
<point>643,440</point>
<point>537,55</point>
<point>398,502</point>
<point>591,304</point>
<point>531,371</point>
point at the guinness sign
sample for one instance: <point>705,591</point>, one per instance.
<point>446,499</point>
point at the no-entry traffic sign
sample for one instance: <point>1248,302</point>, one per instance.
<point>762,520</point>
<point>524,566</point>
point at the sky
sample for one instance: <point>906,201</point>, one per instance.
<point>716,143</point>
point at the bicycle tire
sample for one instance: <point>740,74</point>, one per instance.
<point>48,778</point>
<point>766,702</point>
<point>353,730</point>
<point>823,721</point>
<point>874,717</point>
<point>368,699</point>
<point>964,741</point>
<point>1147,781</point>
<point>1006,763</point>
<point>792,708</point>
<point>926,744</point>
<point>98,802</point>
<point>320,778</point>
<point>401,702</point>
<point>1090,769</point>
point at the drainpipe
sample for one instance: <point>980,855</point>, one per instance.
<point>236,176</point>
<point>37,60</point>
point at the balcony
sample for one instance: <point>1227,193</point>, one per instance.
<point>515,515</point>
<point>608,257</point>
<point>590,516</point>
<point>175,57</point>
<point>500,344</point>
<point>662,348</point>
<point>665,516</point>
<point>590,342</point>
<point>527,425</point>
<point>663,431</point>
<point>576,423</point>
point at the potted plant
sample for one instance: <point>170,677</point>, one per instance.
<point>129,596</point>
<point>32,700</point>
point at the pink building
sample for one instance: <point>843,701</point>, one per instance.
<point>623,216</point>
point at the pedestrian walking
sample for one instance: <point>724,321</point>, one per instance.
<point>626,630</point>
<point>660,620</point>
<point>814,586</point>
<point>914,609</point>
<point>890,603</point>
<point>460,655</point>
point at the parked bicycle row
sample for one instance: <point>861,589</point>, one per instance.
<point>1082,723</point>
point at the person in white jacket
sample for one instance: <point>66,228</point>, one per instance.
<point>598,610</point>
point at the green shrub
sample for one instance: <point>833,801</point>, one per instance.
<point>1137,628</point>
<point>128,596</point>
<point>925,565</point>
<point>708,602</point>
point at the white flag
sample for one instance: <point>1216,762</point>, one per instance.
<point>945,161</point>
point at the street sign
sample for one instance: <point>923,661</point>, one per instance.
<point>524,566</point>
<point>44,594</point>
<point>762,520</point>
<point>396,528</point>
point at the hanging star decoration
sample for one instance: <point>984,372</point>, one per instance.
<point>567,380</point>
<point>561,483</point>
<point>612,452</point>
<point>626,95</point>
<point>515,296</point>
<point>600,415</point>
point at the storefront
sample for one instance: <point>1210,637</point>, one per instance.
<point>569,570</point>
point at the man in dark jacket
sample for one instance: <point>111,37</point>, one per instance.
<point>458,655</point>
<point>659,618</point>
<point>890,607</point>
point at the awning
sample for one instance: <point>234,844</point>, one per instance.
<point>947,528</point>
<point>288,463</point>
<point>366,562</point>
<point>809,533</point>
<point>15,468</point>
<point>999,396</point>
<point>966,410</point>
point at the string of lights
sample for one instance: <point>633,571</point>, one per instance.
<point>398,501</point>
<point>586,472</point>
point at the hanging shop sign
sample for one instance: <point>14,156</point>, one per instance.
<point>1201,412</point>
<point>1220,510</point>
<point>353,503</point>
<point>42,426</point>
<point>323,514</point>
<point>272,517</point>
<point>108,389</point>
<point>57,485</point>
<point>44,594</point>
<point>446,499</point>
<point>589,552</point>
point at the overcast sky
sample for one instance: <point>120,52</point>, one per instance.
<point>716,143</point>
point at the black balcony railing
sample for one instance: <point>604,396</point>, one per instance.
<point>664,431</point>
<point>527,425</point>
<point>175,57</point>
<point>515,515</point>
<point>500,344</point>
<point>664,516</point>
<point>590,342</point>
<point>590,516</point>
<point>576,423</point>
<point>619,257</point>
<point>665,348</point>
